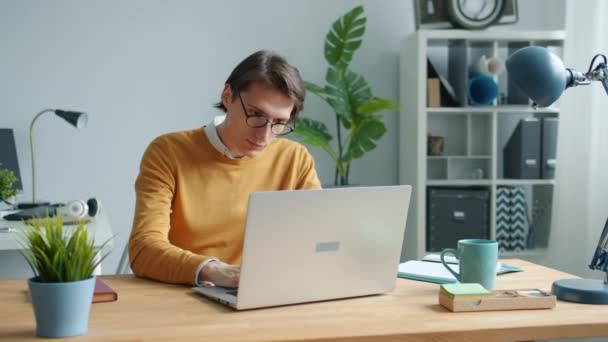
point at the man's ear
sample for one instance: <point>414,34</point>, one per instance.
<point>227,95</point>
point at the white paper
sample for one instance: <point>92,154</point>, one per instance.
<point>428,269</point>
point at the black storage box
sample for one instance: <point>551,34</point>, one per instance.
<point>455,214</point>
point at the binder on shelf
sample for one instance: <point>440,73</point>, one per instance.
<point>447,95</point>
<point>522,151</point>
<point>549,147</point>
<point>433,92</point>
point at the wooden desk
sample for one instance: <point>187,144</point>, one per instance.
<point>150,311</point>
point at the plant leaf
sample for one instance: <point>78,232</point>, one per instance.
<point>346,91</point>
<point>58,255</point>
<point>378,104</point>
<point>312,132</point>
<point>7,178</point>
<point>315,89</point>
<point>344,38</point>
<point>364,136</point>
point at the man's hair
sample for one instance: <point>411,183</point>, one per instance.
<point>271,69</point>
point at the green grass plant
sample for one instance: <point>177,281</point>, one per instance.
<point>60,254</point>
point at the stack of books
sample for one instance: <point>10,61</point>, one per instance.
<point>474,297</point>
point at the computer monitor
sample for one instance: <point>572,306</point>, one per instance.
<point>8,156</point>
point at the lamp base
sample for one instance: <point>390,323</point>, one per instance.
<point>585,291</point>
<point>28,205</point>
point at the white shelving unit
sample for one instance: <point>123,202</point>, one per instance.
<point>474,135</point>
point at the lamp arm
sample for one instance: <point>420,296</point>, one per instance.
<point>599,73</point>
<point>599,261</point>
<point>575,78</point>
<point>32,151</point>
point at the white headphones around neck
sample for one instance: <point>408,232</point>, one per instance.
<point>80,208</point>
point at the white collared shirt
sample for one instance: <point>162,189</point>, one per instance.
<point>214,138</point>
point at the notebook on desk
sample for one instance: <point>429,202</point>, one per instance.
<point>313,245</point>
<point>430,269</point>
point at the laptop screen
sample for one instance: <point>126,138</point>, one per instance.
<point>8,155</point>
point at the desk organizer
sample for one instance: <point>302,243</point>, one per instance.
<point>500,300</point>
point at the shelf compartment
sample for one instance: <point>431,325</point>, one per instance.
<point>436,168</point>
<point>453,129</point>
<point>469,168</point>
<point>523,217</point>
<point>476,51</point>
<point>480,134</point>
<point>509,93</point>
<point>506,125</point>
<point>456,213</point>
<point>437,50</point>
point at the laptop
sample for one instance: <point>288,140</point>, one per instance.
<point>314,245</point>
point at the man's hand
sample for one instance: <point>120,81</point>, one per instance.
<point>221,274</point>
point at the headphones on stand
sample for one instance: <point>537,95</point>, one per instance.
<point>80,208</point>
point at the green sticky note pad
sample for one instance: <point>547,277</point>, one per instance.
<point>465,289</point>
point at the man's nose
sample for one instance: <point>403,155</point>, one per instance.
<point>264,131</point>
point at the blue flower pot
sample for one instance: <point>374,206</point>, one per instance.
<point>62,309</point>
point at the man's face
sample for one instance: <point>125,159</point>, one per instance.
<point>260,100</point>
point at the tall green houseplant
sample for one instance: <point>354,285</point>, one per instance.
<point>358,126</point>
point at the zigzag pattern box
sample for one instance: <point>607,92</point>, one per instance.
<point>503,218</point>
<point>511,219</point>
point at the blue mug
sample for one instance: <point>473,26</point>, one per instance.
<point>477,259</point>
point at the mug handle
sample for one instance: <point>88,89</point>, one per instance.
<point>445,264</point>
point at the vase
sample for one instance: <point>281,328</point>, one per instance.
<point>482,90</point>
<point>435,145</point>
<point>62,309</point>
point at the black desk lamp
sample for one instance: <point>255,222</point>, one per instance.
<point>76,119</point>
<point>542,76</point>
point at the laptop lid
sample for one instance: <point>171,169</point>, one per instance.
<point>313,245</point>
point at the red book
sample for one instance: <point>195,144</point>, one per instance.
<point>103,293</point>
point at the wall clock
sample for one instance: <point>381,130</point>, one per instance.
<point>435,14</point>
<point>474,14</point>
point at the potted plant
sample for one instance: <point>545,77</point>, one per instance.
<point>358,126</point>
<point>63,261</point>
<point>7,178</point>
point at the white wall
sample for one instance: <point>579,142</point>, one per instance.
<point>580,205</point>
<point>142,68</point>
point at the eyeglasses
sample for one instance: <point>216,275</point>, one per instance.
<point>258,121</point>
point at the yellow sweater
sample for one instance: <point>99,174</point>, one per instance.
<point>192,200</point>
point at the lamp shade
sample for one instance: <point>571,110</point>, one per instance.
<point>76,119</point>
<point>540,74</point>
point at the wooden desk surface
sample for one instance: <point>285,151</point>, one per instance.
<point>152,311</point>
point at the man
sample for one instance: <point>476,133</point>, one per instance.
<point>193,186</point>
